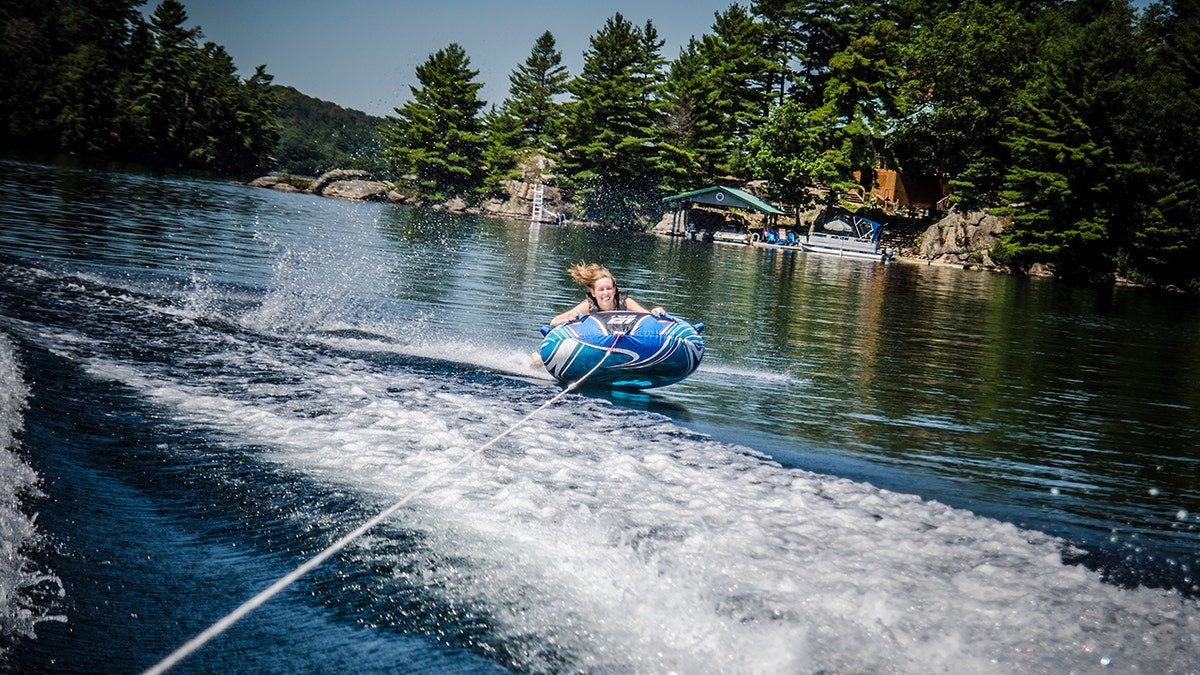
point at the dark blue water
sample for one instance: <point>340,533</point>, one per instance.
<point>877,468</point>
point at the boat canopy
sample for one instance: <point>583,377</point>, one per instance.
<point>719,195</point>
<point>839,221</point>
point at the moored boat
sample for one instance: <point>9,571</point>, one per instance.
<point>728,237</point>
<point>842,233</point>
<point>622,350</point>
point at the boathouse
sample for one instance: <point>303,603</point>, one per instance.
<point>719,196</point>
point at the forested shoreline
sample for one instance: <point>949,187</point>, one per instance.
<point>1077,120</point>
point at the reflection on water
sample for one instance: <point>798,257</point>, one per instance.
<point>1065,408</point>
<point>316,356</point>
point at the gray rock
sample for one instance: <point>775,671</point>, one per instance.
<point>337,175</point>
<point>1040,270</point>
<point>363,190</point>
<point>962,238</point>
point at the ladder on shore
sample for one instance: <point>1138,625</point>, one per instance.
<point>538,197</point>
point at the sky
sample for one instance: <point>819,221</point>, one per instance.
<point>363,54</point>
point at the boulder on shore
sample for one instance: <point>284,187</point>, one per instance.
<point>328,178</point>
<point>363,190</point>
<point>962,239</point>
<point>353,184</point>
<point>360,185</point>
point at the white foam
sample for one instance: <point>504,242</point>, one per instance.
<point>23,588</point>
<point>618,541</point>
<point>731,372</point>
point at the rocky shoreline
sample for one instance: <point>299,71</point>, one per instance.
<point>356,184</point>
<point>959,239</point>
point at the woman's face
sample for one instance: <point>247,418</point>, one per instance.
<point>605,292</point>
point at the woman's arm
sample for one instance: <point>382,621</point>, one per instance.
<point>635,306</point>
<point>581,308</point>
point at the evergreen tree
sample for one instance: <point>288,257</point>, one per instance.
<point>740,73</point>
<point>691,123</point>
<point>802,37</point>
<point>529,120</point>
<point>836,122</point>
<point>613,134</point>
<point>781,43</point>
<point>532,89</point>
<point>64,62</point>
<point>1066,184</point>
<point>92,77</point>
<point>252,109</point>
<point>24,109</point>
<point>190,109</point>
<point>1164,120</point>
<point>716,93</point>
<point>90,71</point>
<point>967,67</point>
<point>164,95</point>
<point>503,149</point>
<point>437,136</point>
<point>861,100</point>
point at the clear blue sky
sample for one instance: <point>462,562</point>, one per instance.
<point>363,54</point>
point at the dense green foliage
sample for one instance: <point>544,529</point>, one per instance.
<point>316,136</point>
<point>1077,118</point>
<point>1098,180</point>
<point>612,133</point>
<point>93,77</point>
<point>528,122</point>
<point>435,141</point>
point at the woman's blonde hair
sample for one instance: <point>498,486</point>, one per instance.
<point>588,274</point>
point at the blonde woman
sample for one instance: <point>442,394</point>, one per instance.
<point>602,294</point>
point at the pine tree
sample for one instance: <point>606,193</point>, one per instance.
<point>437,136</point>
<point>164,98</point>
<point>92,77</point>
<point>87,76</point>
<point>529,120</point>
<point>1066,185</point>
<point>253,132</point>
<point>860,102</point>
<point>716,94</point>
<point>64,61</point>
<point>843,102</point>
<point>613,131</point>
<point>188,107</point>
<point>803,36</point>
<point>1163,120</point>
<point>967,67</point>
<point>737,62</point>
<point>533,87</point>
<point>691,123</point>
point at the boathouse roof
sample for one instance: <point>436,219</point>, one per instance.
<point>719,195</point>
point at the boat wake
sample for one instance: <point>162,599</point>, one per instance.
<point>726,372</point>
<point>595,537</point>
<point>28,595</point>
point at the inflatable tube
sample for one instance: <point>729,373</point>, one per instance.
<point>634,350</point>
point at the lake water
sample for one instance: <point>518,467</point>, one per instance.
<point>896,468</point>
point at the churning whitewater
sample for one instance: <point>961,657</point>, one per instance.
<point>596,538</point>
<point>204,385</point>
<point>27,593</point>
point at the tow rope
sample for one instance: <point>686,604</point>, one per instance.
<point>189,647</point>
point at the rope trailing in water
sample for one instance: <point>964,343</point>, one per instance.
<point>187,648</point>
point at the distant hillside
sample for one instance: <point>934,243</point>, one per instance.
<point>317,136</point>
